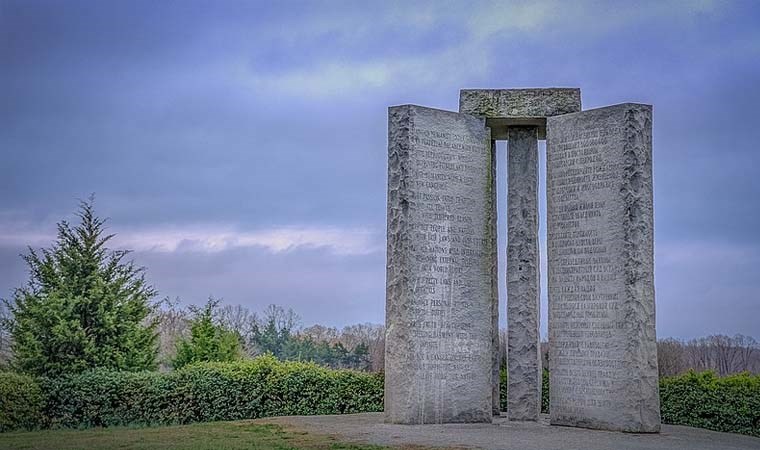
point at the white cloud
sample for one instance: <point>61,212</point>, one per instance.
<point>218,238</point>
<point>340,241</point>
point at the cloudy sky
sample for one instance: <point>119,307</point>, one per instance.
<point>240,147</point>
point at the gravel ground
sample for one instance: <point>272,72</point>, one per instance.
<point>505,435</point>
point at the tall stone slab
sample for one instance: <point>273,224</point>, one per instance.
<point>439,287</point>
<point>603,353</point>
<point>523,339</point>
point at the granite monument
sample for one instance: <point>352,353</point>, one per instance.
<point>442,315</point>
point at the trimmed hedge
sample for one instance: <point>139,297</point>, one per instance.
<point>21,402</point>
<point>704,400</point>
<point>209,392</point>
<point>267,387</point>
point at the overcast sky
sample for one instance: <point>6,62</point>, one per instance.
<point>240,147</point>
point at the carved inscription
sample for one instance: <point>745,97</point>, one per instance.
<point>444,242</point>
<point>584,273</point>
<point>600,280</point>
<point>448,249</point>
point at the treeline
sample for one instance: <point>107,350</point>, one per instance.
<point>275,330</point>
<point>721,354</point>
<point>724,355</point>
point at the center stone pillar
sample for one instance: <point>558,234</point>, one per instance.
<point>523,339</point>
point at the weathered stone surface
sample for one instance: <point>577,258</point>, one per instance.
<point>520,103</point>
<point>523,340</point>
<point>439,289</point>
<point>503,108</point>
<point>603,354</point>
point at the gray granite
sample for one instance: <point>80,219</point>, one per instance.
<point>439,288</point>
<point>603,353</point>
<point>523,339</point>
<point>520,103</point>
<point>518,107</point>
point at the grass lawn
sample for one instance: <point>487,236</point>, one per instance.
<point>202,436</point>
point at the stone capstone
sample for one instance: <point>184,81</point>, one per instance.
<point>518,107</point>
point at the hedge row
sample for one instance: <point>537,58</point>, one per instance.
<point>268,387</point>
<point>705,400</point>
<point>206,392</point>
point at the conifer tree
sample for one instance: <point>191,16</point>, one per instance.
<point>84,305</point>
<point>208,340</point>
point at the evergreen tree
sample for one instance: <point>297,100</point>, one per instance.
<point>84,305</point>
<point>274,334</point>
<point>360,357</point>
<point>209,340</point>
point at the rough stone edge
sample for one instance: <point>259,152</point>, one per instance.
<point>638,247</point>
<point>399,144</point>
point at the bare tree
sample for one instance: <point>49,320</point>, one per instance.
<point>173,324</point>
<point>6,341</point>
<point>725,354</point>
<point>236,318</point>
<point>698,355</point>
<point>321,333</point>
<point>671,357</point>
<point>720,353</point>
<point>371,335</point>
<point>377,352</point>
<point>243,322</point>
<point>748,354</point>
<point>284,319</point>
<point>364,333</point>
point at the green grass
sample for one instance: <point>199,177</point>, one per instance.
<point>203,436</point>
